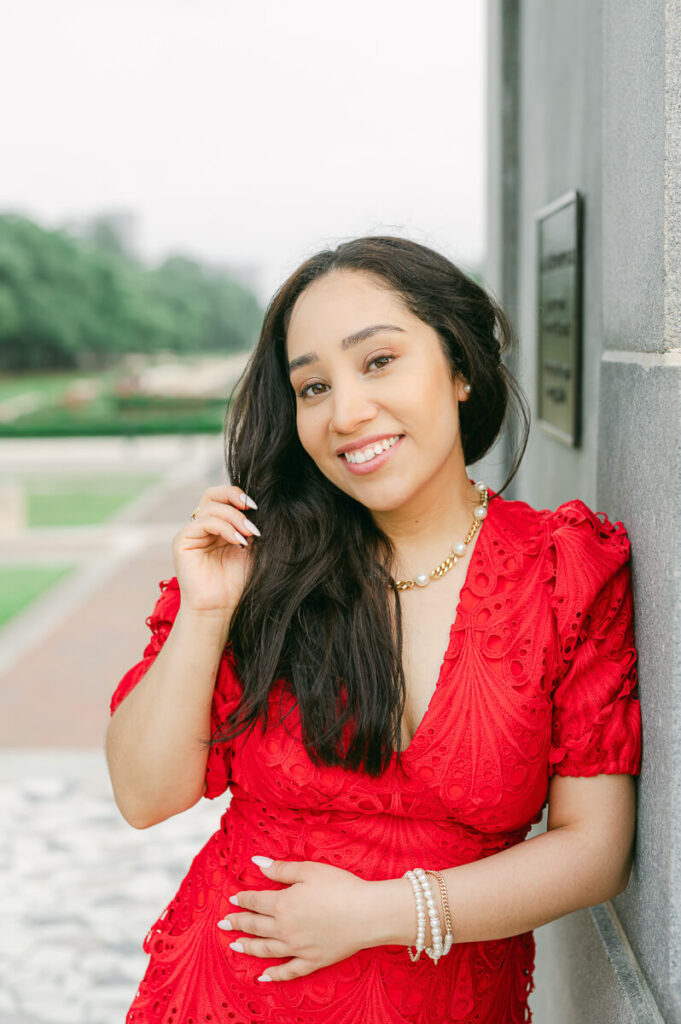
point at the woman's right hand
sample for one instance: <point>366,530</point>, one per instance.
<point>211,564</point>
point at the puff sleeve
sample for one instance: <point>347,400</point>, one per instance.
<point>226,695</point>
<point>596,717</point>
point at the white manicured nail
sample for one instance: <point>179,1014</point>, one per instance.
<point>240,538</point>
<point>262,862</point>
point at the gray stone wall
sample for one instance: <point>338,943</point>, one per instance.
<point>586,94</point>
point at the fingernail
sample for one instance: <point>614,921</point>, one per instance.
<point>234,900</point>
<point>262,862</point>
<point>240,537</point>
<point>264,977</point>
<point>248,501</point>
<point>237,947</point>
<point>252,526</point>
<point>225,925</point>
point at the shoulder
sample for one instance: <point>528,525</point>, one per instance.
<point>583,551</point>
<point>167,604</point>
<point>582,538</point>
<point>589,565</point>
<point>576,513</point>
<point>573,529</point>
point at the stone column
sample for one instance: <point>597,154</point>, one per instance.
<point>586,94</point>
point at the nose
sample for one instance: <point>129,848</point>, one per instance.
<point>350,407</point>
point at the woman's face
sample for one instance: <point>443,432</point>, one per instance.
<point>365,370</point>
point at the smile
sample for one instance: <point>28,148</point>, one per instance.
<point>373,456</point>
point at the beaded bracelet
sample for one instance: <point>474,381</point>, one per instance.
<point>434,951</point>
<point>421,889</point>
<point>420,917</point>
<point>449,938</point>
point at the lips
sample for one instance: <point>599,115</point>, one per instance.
<point>357,446</point>
<point>372,465</point>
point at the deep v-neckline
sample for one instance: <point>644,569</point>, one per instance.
<point>475,557</point>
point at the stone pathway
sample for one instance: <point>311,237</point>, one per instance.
<point>79,888</point>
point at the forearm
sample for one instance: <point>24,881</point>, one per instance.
<point>154,745</point>
<point>513,891</point>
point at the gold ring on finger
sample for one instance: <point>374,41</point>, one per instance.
<point>195,511</point>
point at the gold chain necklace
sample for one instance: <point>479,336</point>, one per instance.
<point>458,550</point>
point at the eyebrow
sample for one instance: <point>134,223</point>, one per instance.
<point>346,343</point>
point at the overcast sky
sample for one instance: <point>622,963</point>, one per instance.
<point>251,132</point>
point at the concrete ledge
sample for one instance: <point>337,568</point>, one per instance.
<point>625,965</point>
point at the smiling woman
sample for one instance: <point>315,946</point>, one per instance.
<point>395,375</point>
<point>449,661</point>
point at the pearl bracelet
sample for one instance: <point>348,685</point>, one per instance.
<point>421,889</point>
<point>449,938</point>
<point>420,917</point>
<point>434,951</point>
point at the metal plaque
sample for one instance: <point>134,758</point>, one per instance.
<point>559,317</point>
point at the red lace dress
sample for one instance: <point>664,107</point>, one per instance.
<point>539,677</point>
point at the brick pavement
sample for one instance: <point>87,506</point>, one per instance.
<point>56,692</point>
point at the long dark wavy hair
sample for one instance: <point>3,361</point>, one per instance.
<point>320,610</point>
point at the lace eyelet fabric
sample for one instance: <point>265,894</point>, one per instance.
<point>539,678</point>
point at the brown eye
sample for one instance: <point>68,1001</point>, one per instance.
<point>303,393</point>
<point>376,358</point>
<point>314,384</point>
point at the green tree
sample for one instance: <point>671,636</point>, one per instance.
<point>70,302</point>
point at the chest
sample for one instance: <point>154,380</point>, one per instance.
<point>479,653</point>
<point>428,614</point>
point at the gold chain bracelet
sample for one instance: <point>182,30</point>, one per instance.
<point>445,906</point>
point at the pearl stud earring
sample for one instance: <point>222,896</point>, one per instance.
<point>467,388</point>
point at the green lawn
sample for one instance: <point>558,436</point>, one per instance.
<point>108,414</point>
<point>22,584</point>
<point>80,499</point>
<point>51,385</point>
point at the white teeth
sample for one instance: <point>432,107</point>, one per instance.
<point>366,454</point>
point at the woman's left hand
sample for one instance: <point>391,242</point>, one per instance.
<point>322,917</point>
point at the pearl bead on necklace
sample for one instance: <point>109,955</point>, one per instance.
<point>458,550</point>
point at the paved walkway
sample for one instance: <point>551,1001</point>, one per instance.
<point>61,658</point>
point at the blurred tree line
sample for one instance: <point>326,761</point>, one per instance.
<point>82,302</point>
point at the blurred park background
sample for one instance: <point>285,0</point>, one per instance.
<point>165,166</point>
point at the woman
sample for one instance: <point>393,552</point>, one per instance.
<point>310,648</point>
